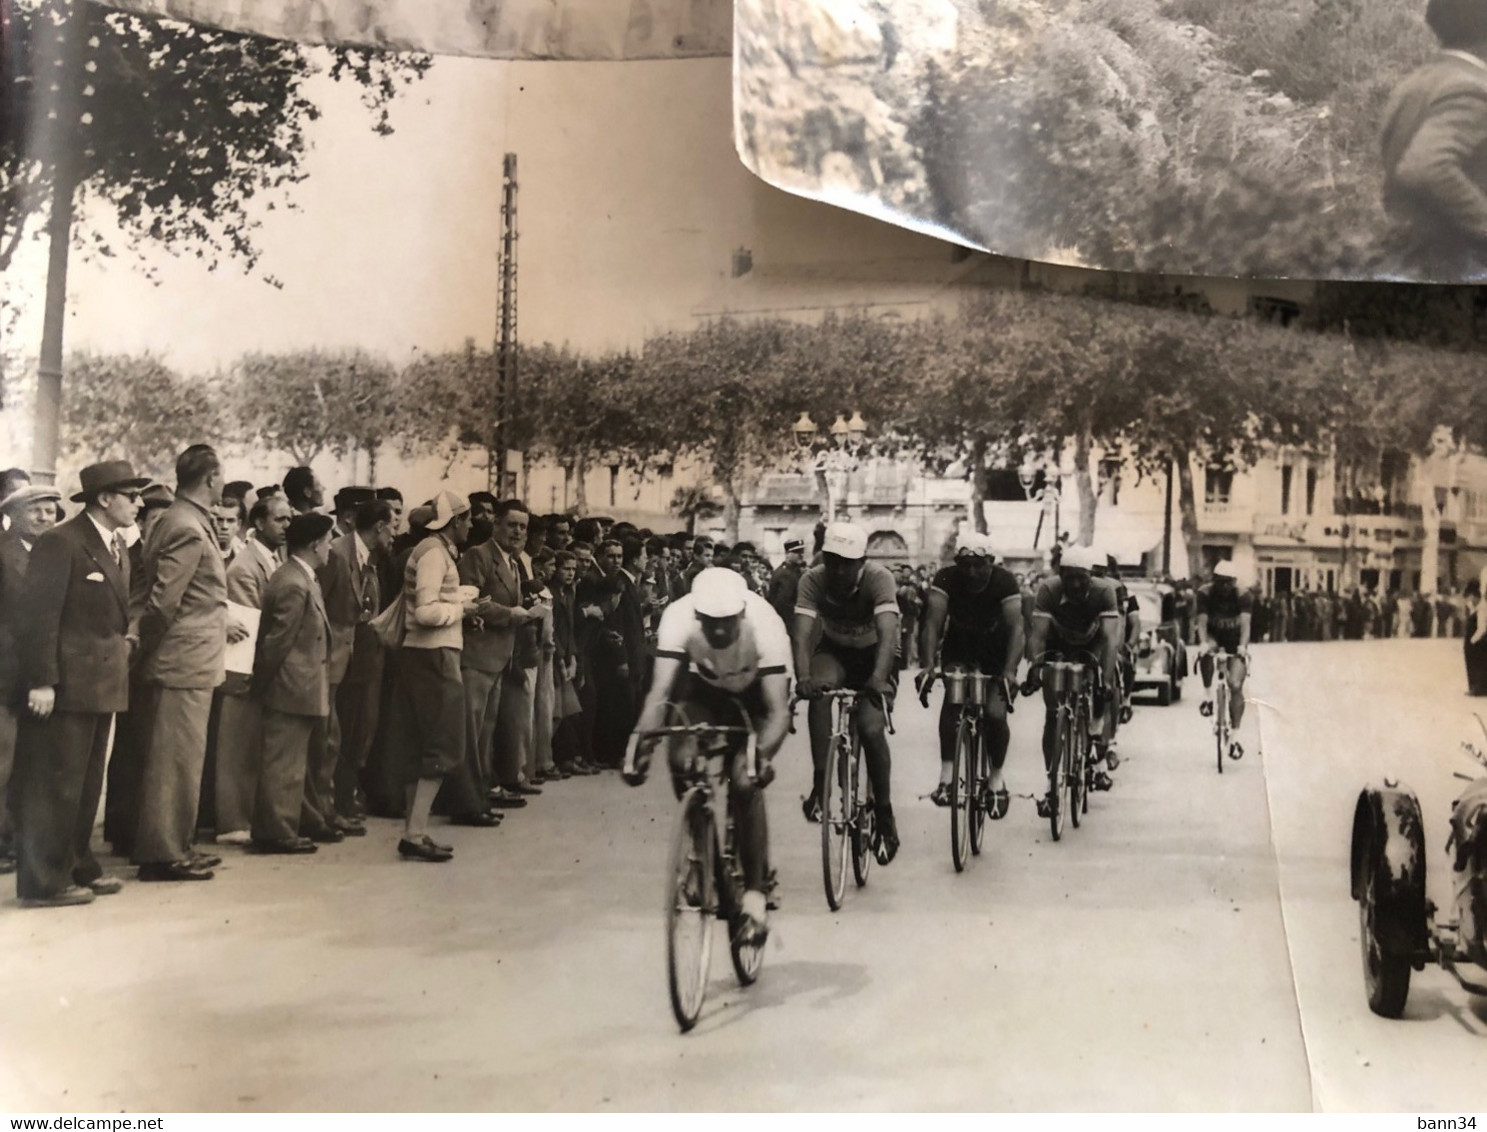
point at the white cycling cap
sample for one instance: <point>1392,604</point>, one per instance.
<point>1080,558</point>
<point>845,540</point>
<point>719,592</point>
<point>973,544</point>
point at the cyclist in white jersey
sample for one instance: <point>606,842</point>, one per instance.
<point>720,650</point>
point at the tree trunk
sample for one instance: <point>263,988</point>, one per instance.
<point>1187,503</point>
<point>580,474</point>
<point>371,451</point>
<point>731,510</point>
<point>978,485</point>
<point>1084,481</point>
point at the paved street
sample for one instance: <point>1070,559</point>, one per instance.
<point>1144,962</point>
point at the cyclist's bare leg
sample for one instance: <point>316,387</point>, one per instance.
<point>825,669</point>
<point>1237,672</point>
<point>998,736</point>
<point>949,727</point>
<point>750,826</point>
<point>872,729</point>
<point>1050,728</point>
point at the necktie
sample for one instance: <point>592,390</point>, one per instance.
<point>368,592</point>
<point>118,548</point>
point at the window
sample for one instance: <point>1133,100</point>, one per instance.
<point>1311,490</point>
<point>614,483</point>
<point>1280,311</point>
<point>1285,489</point>
<point>1218,485</point>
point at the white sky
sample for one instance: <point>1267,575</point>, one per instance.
<point>631,203</point>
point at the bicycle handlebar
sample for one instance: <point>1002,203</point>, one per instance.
<point>751,746</point>
<point>829,693</point>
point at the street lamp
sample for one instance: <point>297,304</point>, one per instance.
<point>805,431</point>
<point>836,461</point>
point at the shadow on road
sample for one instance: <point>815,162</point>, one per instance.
<point>813,984</point>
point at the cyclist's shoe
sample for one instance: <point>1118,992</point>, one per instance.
<point>941,795</point>
<point>1099,780</point>
<point>811,807</point>
<point>1127,713</point>
<point>1112,757</point>
<point>1205,709</point>
<point>772,898</point>
<point>996,803</point>
<point>1045,807</point>
<point>885,836</point>
<point>751,926</point>
<point>1236,752</point>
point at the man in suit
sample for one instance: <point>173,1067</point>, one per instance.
<point>74,668</point>
<point>126,761</point>
<point>514,717</point>
<point>352,595</point>
<point>240,735</point>
<point>490,644</point>
<point>616,651</point>
<point>291,681</point>
<point>304,492</point>
<point>183,632</point>
<point>31,512</point>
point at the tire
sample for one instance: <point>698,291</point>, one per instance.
<point>1221,720</point>
<point>691,899</point>
<point>962,795</point>
<point>1057,777</point>
<point>978,811</point>
<point>865,825</point>
<point>836,801</point>
<point>1386,974</point>
<point>1079,769</point>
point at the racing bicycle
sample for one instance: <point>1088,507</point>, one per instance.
<point>1073,684</point>
<point>704,880</point>
<point>969,689</point>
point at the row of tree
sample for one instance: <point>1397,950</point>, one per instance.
<point>1011,376</point>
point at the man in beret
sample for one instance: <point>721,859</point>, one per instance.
<point>30,512</point>
<point>291,682</point>
<point>75,645</point>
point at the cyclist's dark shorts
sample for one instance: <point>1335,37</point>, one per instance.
<point>704,702</point>
<point>857,664</point>
<point>1229,642</point>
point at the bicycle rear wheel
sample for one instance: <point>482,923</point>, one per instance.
<point>1080,772</point>
<point>962,795</point>
<point>1057,775</point>
<point>865,822</point>
<point>836,819</point>
<point>690,908</point>
<point>979,779</point>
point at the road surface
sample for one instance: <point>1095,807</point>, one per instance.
<point>1192,947</point>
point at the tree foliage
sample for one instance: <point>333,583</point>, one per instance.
<point>137,408</point>
<point>310,402</point>
<point>178,128</point>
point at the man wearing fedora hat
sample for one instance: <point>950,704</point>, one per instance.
<point>183,632</point>
<point>74,669</point>
<point>31,512</point>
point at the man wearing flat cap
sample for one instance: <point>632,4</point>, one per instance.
<point>74,671</point>
<point>291,682</point>
<point>31,512</point>
<point>184,631</point>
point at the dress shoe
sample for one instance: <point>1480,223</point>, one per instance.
<point>7,866</point>
<point>105,886</point>
<point>73,894</point>
<point>488,820</point>
<point>503,799</point>
<point>325,835</point>
<point>350,828</point>
<point>527,788</point>
<point>423,849</point>
<point>285,845</point>
<point>204,860</point>
<point>173,870</point>
<point>236,837</point>
<point>582,766</point>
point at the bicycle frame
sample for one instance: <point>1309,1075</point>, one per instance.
<point>1073,683</point>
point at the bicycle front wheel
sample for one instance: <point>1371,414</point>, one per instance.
<point>1221,718</point>
<point>1058,775</point>
<point>836,801</point>
<point>690,908</point>
<point>962,795</point>
<point>980,776</point>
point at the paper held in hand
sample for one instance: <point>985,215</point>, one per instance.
<point>240,655</point>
